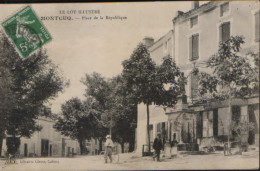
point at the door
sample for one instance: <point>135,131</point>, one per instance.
<point>252,114</point>
<point>50,150</point>
<point>25,150</point>
<point>44,148</point>
<point>68,153</point>
<point>215,122</point>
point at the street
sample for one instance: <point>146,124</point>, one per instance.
<point>249,160</point>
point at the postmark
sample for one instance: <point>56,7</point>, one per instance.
<point>26,31</point>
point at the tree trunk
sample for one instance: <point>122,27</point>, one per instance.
<point>148,123</point>
<point>229,126</point>
<point>1,143</point>
<point>122,147</point>
<point>81,146</point>
<point>230,113</point>
<point>100,144</point>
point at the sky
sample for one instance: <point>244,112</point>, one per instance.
<point>81,46</point>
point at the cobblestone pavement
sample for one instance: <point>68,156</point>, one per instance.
<point>132,161</point>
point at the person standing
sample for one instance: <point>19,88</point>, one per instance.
<point>157,146</point>
<point>108,148</point>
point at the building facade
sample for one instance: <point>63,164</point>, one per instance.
<point>46,143</point>
<point>194,38</point>
<point>92,146</point>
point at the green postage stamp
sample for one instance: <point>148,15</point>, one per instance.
<point>26,31</point>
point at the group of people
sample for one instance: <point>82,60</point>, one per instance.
<point>158,145</point>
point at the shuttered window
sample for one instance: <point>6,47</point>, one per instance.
<point>158,128</point>
<point>193,21</point>
<point>257,25</point>
<point>194,47</point>
<point>225,31</point>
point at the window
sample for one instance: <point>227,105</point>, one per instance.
<point>225,31</point>
<point>207,125</point>
<point>224,9</point>
<point>158,128</point>
<point>257,25</point>
<point>194,47</point>
<point>199,124</point>
<point>193,21</point>
<point>151,133</point>
<point>95,141</point>
<point>194,86</point>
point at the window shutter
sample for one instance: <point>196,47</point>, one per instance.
<point>158,127</point>
<point>195,46</point>
<point>190,48</point>
<point>220,33</point>
<point>225,31</point>
<point>257,25</point>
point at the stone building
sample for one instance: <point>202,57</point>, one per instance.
<point>45,143</point>
<point>194,38</point>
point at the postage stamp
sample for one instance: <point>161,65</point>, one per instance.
<point>26,31</point>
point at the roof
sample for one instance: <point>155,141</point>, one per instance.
<point>161,38</point>
<point>204,7</point>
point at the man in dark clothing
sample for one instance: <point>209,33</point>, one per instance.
<point>157,146</point>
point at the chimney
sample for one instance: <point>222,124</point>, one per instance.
<point>195,4</point>
<point>148,41</point>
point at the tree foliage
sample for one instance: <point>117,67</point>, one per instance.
<point>140,74</point>
<point>115,104</point>
<point>30,84</point>
<point>98,88</point>
<point>169,74</point>
<point>123,112</point>
<point>233,75</point>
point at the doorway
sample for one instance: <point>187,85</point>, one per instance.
<point>25,150</point>
<point>44,148</point>
<point>252,110</point>
<point>215,123</point>
<point>51,150</point>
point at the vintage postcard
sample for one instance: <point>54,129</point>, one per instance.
<point>129,85</point>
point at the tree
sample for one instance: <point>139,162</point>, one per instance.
<point>117,111</point>
<point>147,80</point>
<point>140,74</point>
<point>98,88</point>
<point>6,102</point>
<point>78,120</point>
<point>31,83</point>
<point>233,75</point>
<point>170,74</point>
<point>124,112</point>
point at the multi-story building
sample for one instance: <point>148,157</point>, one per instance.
<point>47,142</point>
<point>194,38</point>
